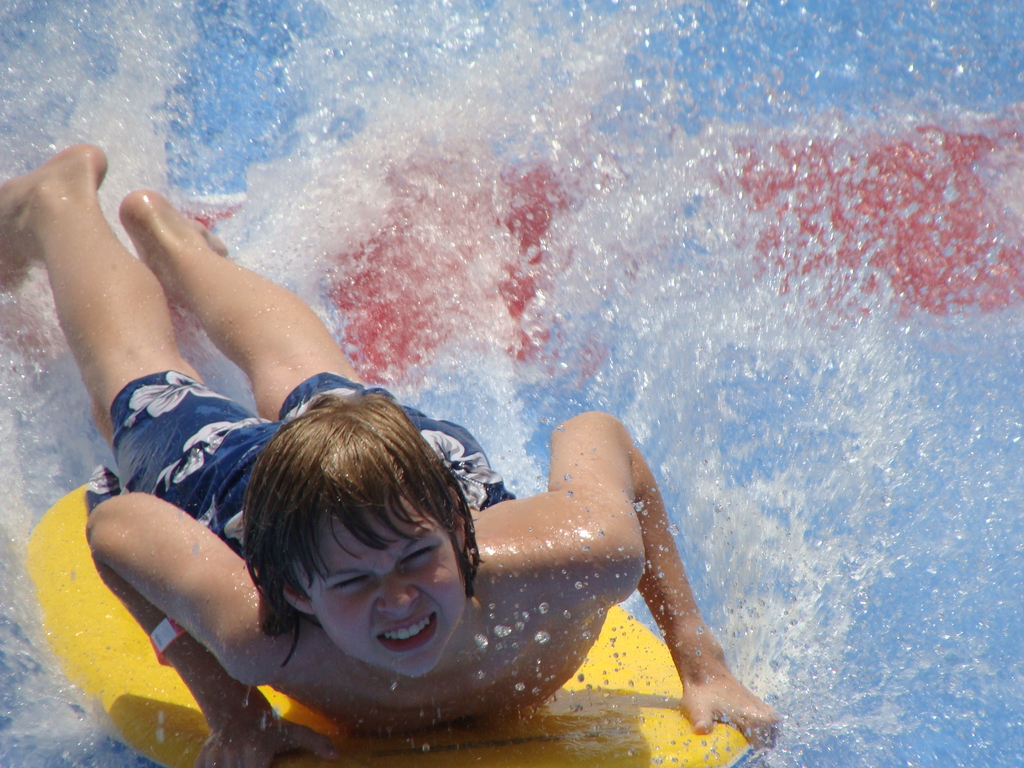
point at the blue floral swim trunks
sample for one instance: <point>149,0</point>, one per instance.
<point>179,440</point>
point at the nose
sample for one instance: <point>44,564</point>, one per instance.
<point>397,595</point>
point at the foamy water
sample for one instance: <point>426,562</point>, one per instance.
<point>782,242</point>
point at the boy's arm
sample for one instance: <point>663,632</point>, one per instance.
<point>710,691</point>
<point>244,730</point>
<point>593,453</point>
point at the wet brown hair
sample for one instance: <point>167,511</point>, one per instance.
<point>349,461</point>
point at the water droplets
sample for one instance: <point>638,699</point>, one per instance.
<point>481,642</point>
<point>569,493</point>
<point>542,637</point>
<point>520,687</point>
<point>543,607</point>
<point>567,477</point>
<point>501,630</point>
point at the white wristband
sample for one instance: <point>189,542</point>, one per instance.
<point>165,633</point>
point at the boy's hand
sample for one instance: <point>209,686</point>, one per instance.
<point>722,698</point>
<point>253,736</point>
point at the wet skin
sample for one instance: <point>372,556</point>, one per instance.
<point>395,608</point>
<point>599,532</point>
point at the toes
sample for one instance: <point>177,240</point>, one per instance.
<point>216,244</point>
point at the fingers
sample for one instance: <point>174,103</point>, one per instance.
<point>310,740</point>
<point>760,728</point>
<point>293,736</point>
<point>759,724</point>
<point>735,706</point>
<point>234,756</point>
<point>258,749</point>
<point>218,754</point>
<point>759,731</point>
<point>702,722</point>
<point>216,244</point>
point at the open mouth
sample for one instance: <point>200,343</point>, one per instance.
<point>412,637</point>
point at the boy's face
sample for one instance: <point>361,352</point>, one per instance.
<point>395,608</point>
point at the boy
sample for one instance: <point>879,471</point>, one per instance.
<point>389,581</point>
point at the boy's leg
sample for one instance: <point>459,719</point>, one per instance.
<point>271,334</point>
<point>112,309</point>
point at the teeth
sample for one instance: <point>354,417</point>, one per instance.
<point>407,632</point>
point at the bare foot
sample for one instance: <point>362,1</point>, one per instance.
<point>160,233</point>
<point>31,206</point>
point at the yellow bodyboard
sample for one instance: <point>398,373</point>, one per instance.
<point>620,711</point>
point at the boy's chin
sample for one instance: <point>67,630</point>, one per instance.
<point>410,667</point>
<point>417,671</point>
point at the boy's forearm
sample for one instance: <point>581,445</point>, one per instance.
<point>221,698</point>
<point>665,586</point>
<point>597,450</point>
<point>244,730</point>
<point>218,695</point>
<point>710,692</point>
